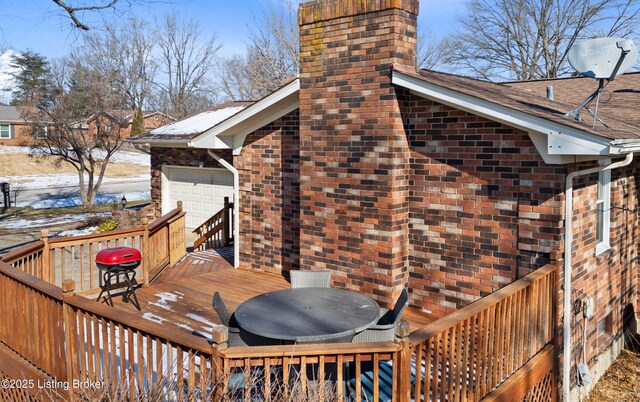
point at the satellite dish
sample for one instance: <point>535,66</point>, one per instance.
<point>603,59</point>
<point>598,58</point>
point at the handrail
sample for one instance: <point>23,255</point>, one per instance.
<point>158,223</point>
<point>22,251</point>
<point>30,280</point>
<point>240,352</point>
<point>218,223</point>
<point>133,320</point>
<point>209,221</point>
<point>95,236</point>
<point>433,328</point>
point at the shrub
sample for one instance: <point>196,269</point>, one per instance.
<point>108,226</point>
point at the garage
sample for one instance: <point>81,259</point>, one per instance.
<point>202,191</point>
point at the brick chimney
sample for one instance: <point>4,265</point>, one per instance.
<point>354,155</point>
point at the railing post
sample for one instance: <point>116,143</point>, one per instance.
<point>226,219</point>
<point>145,252</point>
<point>404,365</point>
<point>46,261</point>
<point>68,290</point>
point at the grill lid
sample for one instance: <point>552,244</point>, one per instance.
<point>118,255</point>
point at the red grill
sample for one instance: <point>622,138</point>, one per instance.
<point>115,263</point>
<point>118,259</point>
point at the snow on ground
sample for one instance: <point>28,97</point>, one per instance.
<point>62,180</point>
<point>78,232</point>
<point>62,202</point>
<point>58,220</point>
<point>136,158</point>
<point>9,149</point>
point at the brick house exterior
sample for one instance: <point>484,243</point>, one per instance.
<point>111,119</point>
<point>448,186</point>
<point>14,130</point>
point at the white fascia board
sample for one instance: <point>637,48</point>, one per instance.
<point>566,140</point>
<point>161,144</point>
<point>234,126</point>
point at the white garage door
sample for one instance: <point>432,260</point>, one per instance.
<point>202,192</point>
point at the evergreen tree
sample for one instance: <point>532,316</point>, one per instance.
<point>137,126</point>
<point>31,78</point>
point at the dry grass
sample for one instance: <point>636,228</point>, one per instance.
<point>22,164</point>
<point>211,390</point>
<point>621,382</point>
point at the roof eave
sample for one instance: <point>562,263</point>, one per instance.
<point>231,133</point>
<point>560,144</point>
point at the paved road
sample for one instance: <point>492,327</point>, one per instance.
<point>62,194</point>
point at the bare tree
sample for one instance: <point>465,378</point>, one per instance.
<point>432,54</point>
<point>124,53</point>
<point>81,11</point>
<point>187,61</point>
<point>63,131</point>
<point>527,39</point>
<point>272,55</point>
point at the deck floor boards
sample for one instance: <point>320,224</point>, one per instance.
<point>181,299</point>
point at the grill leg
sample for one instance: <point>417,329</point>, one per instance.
<point>106,283</point>
<point>130,291</point>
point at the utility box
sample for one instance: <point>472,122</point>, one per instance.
<point>6,191</point>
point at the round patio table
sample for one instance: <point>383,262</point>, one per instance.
<point>292,314</point>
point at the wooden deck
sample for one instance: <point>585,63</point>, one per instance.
<point>180,298</point>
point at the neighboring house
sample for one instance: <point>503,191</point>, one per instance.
<point>14,130</point>
<point>110,120</point>
<point>396,178</point>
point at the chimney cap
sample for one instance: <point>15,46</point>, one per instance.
<point>324,10</point>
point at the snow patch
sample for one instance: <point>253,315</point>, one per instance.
<point>79,232</point>
<point>202,320</point>
<point>153,318</point>
<point>58,220</point>
<point>195,331</point>
<point>62,180</point>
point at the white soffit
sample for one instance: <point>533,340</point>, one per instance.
<point>231,133</point>
<point>555,142</point>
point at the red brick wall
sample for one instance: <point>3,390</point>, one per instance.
<point>354,173</point>
<point>21,135</point>
<point>484,207</point>
<point>611,278</point>
<point>270,197</point>
<point>177,157</point>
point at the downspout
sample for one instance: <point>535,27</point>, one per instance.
<point>568,240</point>
<point>236,205</point>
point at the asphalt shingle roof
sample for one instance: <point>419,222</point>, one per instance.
<point>526,102</point>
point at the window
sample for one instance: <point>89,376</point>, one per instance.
<point>42,131</point>
<point>5,131</point>
<point>603,209</point>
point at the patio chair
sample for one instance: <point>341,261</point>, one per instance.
<point>237,336</point>
<point>310,279</point>
<point>385,329</point>
<point>341,337</point>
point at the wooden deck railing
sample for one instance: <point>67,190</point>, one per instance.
<point>116,346</point>
<point>464,356</point>
<point>30,320</point>
<point>55,260</point>
<point>472,351</point>
<point>334,369</point>
<point>216,231</point>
